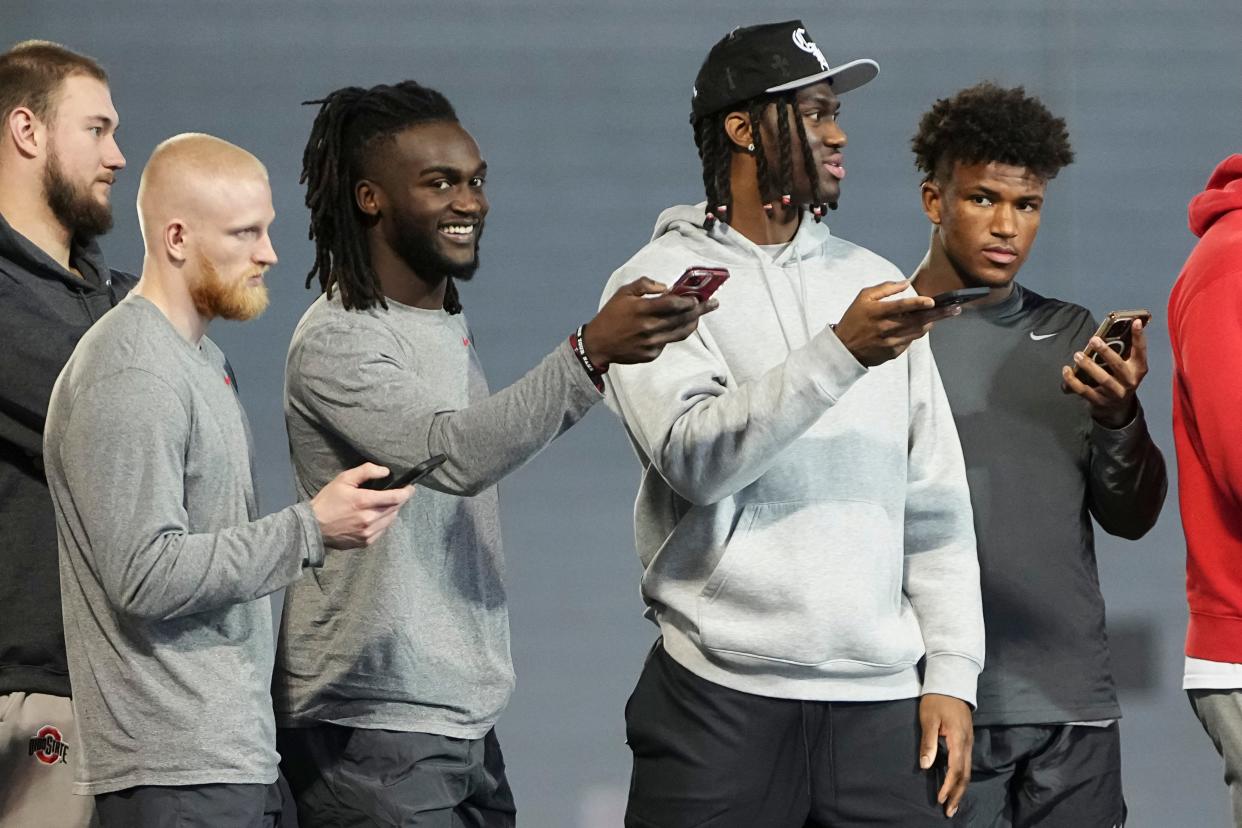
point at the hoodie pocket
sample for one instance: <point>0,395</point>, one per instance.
<point>810,582</point>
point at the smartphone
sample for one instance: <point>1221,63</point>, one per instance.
<point>700,282</point>
<point>1117,332</point>
<point>412,476</point>
<point>960,297</point>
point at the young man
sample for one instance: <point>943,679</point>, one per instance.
<point>1041,463</point>
<point>393,670</point>
<point>58,159</point>
<point>1205,328</point>
<point>165,562</point>
<point>803,518</point>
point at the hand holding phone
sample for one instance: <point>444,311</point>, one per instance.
<point>1109,369</point>
<point>1117,332</point>
<point>643,316</point>
<point>409,478</point>
<point>699,282</point>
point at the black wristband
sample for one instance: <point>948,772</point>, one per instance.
<point>579,349</point>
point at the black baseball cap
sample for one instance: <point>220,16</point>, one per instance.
<point>774,57</point>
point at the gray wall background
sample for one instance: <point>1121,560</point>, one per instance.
<point>581,108</point>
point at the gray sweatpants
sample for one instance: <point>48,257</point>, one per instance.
<point>1220,712</point>
<point>38,749</point>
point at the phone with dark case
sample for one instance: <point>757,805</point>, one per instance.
<point>700,282</point>
<point>1118,334</point>
<point>960,296</point>
<point>412,476</point>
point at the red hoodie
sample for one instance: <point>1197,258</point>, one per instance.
<point>1205,327</point>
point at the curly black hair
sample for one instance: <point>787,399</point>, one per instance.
<point>986,123</point>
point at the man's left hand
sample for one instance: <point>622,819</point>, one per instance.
<point>947,717</point>
<point>1113,400</point>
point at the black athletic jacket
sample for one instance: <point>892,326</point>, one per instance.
<point>44,310</point>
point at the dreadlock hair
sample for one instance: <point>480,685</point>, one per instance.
<point>775,186</point>
<point>352,122</point>
<point>986,123</point>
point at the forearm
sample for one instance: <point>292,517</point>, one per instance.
<point>165,572</point>
<point>942,563</point>
<point>1127,478</point>
<point>709,439</point>
<point>943,589</point>
<point>486,441</point>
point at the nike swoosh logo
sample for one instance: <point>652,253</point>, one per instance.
<point>1038,337</point>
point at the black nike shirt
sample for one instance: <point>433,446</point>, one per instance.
<point>1039,469</point>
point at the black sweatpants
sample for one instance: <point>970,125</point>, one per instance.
<point>1051,776</point>
<point>345,777</point>
<point>709,756</point>
<point>198,806</point>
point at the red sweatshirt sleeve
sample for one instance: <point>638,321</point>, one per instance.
<point>1210,333</point>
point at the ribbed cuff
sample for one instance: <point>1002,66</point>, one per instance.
<point>951,675</point>
<point>312,538</point>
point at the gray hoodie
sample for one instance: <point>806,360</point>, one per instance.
<point>803,521</point>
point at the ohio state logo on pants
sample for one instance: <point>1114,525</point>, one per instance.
<point>48,746</point>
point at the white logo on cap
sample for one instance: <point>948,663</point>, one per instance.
<point>808,46</point>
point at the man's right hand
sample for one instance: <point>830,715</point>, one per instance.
<point>634,326</point>
<point>876,329</point>
<point>349,516</point>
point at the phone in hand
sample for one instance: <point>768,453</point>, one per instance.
<point>699,282</point>
<point>1117,331</point>
<point>412,476</point>
<point>960,296</point>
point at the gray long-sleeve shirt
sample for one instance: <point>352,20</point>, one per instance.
<point>414,635</point>
<point>1039,468</point>
<point>165,564</point>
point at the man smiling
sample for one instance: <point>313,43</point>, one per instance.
<point>393,671</point>
<point>1041,463</point>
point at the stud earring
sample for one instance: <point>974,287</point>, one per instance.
<point>750,147</point>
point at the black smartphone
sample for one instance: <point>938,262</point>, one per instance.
<point>412,476</point>
<point>960,297</point>
<point>700,282</point>
<point>1117,331</point>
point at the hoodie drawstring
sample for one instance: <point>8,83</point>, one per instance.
<point>763,259</point>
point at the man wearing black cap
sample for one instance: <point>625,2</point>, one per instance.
<point>803,520</point>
